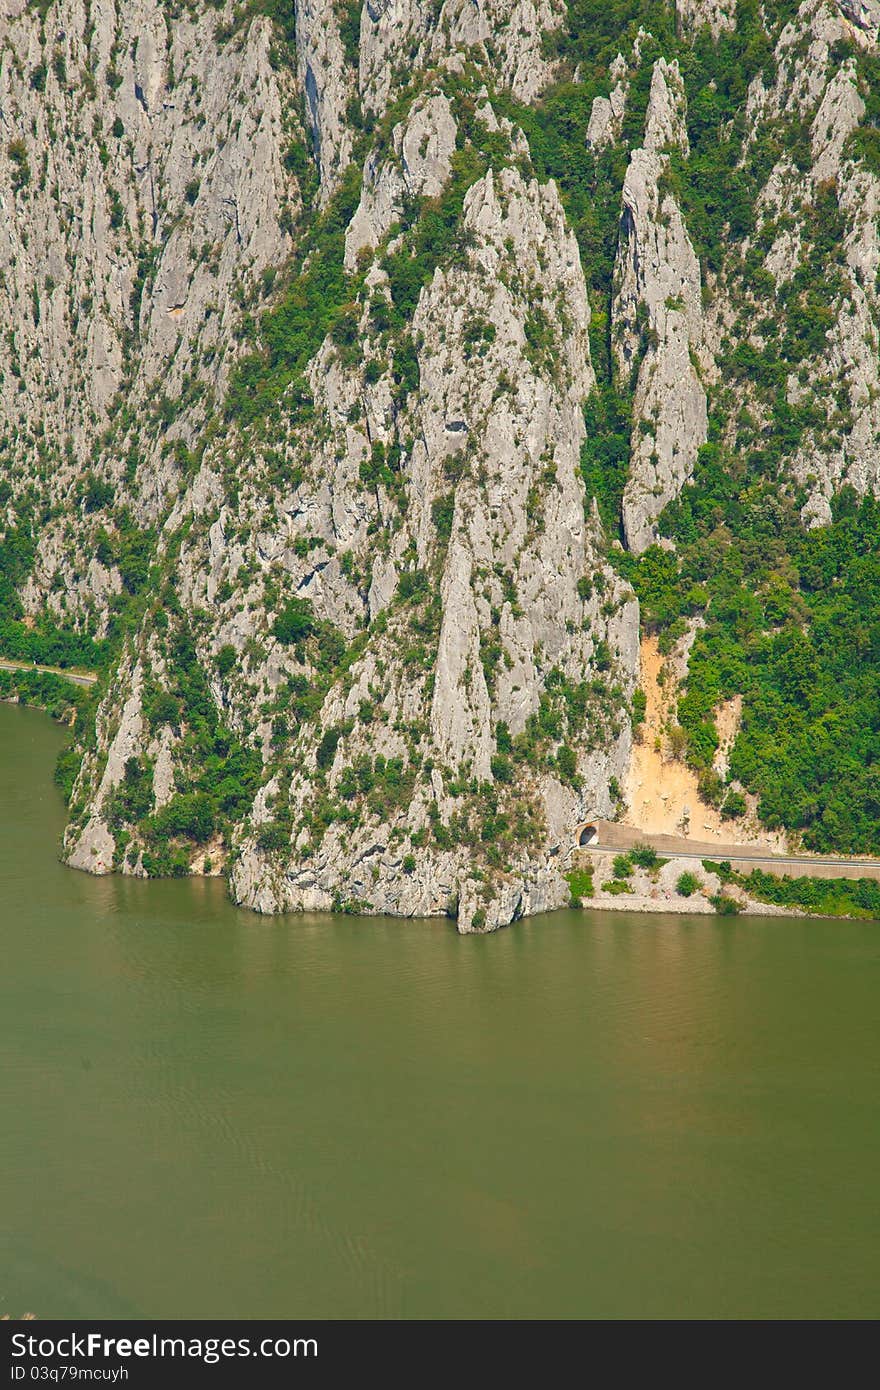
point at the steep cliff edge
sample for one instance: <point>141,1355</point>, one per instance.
<point>368,368</point>
<point>145,195</point>
<point>657,318</point>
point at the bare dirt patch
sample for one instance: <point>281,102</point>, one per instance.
<point>661,790</point>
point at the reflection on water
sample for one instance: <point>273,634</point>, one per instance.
<point>208,1113</point>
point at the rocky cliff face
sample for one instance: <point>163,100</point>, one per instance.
<point>490,548</point>
<point>658,317</point>
<point>144,195</point>
<point>292,405</point>
<point>828,98</point>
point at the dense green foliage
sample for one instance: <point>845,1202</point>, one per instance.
<point>580,882</point>
<point>314,304</point>
<point>434,237</point>
<point>43,643</point>
<point>606,450</point>
<point>687,884</point>
<point>321,298</point>
<point>800,646</point>
<point>830,897</point>
<point>222,775</point>
<point>48,645</point>
<point>60,697</point>
<point>792,624</point>
<point>865,139</point>
<point>295,622</point>
<point>714,186</point>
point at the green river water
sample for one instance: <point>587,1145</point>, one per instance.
<point>206,1113</point>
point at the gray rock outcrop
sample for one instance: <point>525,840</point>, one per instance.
<point>658,319</point>
<point>294,359</point>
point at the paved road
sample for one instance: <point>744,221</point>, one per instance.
<point>615,838</point>
<point>722,854</point>
<point>77,677</point>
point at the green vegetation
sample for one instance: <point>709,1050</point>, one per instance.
<point>865,139</point>
<point>215,791</point>
<point>59,697</point>
<point>225,660</point>
<point>380,787</point>
<point>606,450</point>
<point>826,897</point>
<point>616,886</point>
<point>43,643</point>
<point>714,186</point>
<point>768,627</point>
<point>580,882</point>
<point>724,905</point>
<point>318,301</point>
<point>48,645</point>
<point>190,815</point>
<point>21,169</point>
<point>433,237</point>
<point>643,857</point>
<point>791,618</point>
<point>687,884</point>
<point>295,622</point>
<point>493,818</point>
<point>791,615</point>
<point>321,298</point>
<point>792,624</point>
<point>646,857</point>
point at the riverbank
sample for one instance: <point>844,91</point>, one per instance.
<point>641,880</point>
<point>383,1120</point>
<point>78,677</point>
<point>56,694</point>
<point>644,890</point>
<point>649,888</point>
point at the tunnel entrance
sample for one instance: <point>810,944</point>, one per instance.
<point>586,834</point>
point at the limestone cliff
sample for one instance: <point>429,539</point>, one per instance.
<point>346,352</point>
<point>657,318</point>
